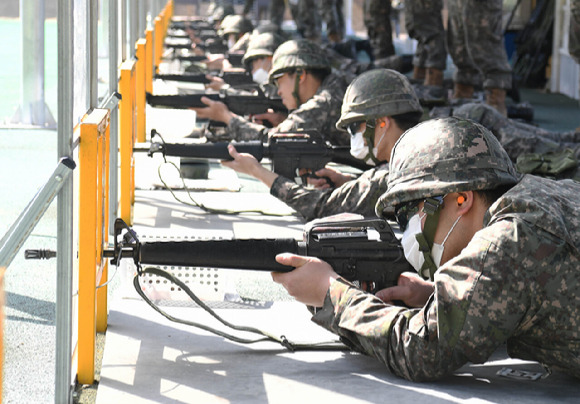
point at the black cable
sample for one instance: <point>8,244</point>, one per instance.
<point>282,340</point>
<point>200,205</point>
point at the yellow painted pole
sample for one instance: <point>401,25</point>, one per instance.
<point>127,125</point>
<point>87,252</point>
<point>102,304</point>
<point>159,37</point>
<point>140,88</point>
<point>149,61</point>
<point>93,180</point>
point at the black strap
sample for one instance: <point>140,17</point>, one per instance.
<point>282,340</point>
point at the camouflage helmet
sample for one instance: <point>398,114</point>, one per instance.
<point>298,54</point>
<point>219,13</point>
<point>262,45</point>
<point>235,24</point>
<point>445,155</point>
<point>377,93</point>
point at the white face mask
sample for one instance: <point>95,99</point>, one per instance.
<point>437,249</point>
<point>411,245</point>
<point>358,148</point>
<point>260,76</point>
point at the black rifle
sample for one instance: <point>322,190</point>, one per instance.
<point>202,34</point>
<point>240,104</point>
<point>195,24</point>
<point>234,79</point>
<point>364,250</point>
<point>191,58</point>
<point>215,45</point>
<point>212,45</point>
<point>288,152</point>
<point>234,58</point>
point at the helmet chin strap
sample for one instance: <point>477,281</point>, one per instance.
<point>295,93</point>
<point>432,207</point>
<point>369,135</point>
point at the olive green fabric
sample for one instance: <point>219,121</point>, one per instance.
<point>377,93</point>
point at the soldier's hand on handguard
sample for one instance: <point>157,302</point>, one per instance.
<point>309,282</point>
<point>216,111</point>
<point>325,174</point>
<point>215,61</point>
<point>242,162</point>
<point>413,290</point>
<point>275,118</point>
<point>216,83</point>
<point>198,51</point>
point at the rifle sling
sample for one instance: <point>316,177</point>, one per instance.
<point>282,340</point>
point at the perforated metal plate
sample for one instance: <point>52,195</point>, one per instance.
<point>209,284</point>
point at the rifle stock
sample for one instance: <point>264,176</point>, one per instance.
<point>365,250</point>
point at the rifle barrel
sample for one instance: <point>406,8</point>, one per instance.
<point>189,78</point>
<point>254,254</point>
<point>180,101</point>
<point>218,150</point>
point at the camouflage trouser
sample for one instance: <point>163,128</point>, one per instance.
<point>378,22</point>
<point>305,14</point>
<point>574,34</point>
<point>248,4</point>
<point>424,23</point>
<point>475,43</point>
<point>331,12</point>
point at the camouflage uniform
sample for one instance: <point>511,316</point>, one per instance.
<point>516,282</point>
<point>242,44</point>
<point>424,23</point>
<point>305,14</point>
<point>516,137</point>
<point>356,196</point>
<point>372,95</point>
<point>331,12</point>
<point>475,43</point>
<point>319,112</point>
<point>574,34</point>
<point>378,23</point>
<point>351,68</point>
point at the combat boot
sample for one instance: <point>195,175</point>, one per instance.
<point>434,77</point>
<point>419,73</point>
<point>495,97</point>
<point>462,91</point>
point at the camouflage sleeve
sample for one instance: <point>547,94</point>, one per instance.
<point>480,297</point>
<point>241,129</point>
<point>320,112</point>
<point>356,196</point>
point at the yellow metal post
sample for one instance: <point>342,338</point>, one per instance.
<point>88,183</point>
<point>149,61</point>
<point>102,303</point>
<point>159,38</point>
<point>140,88</point>
<point>93,222</point>
<point>127,139</point>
